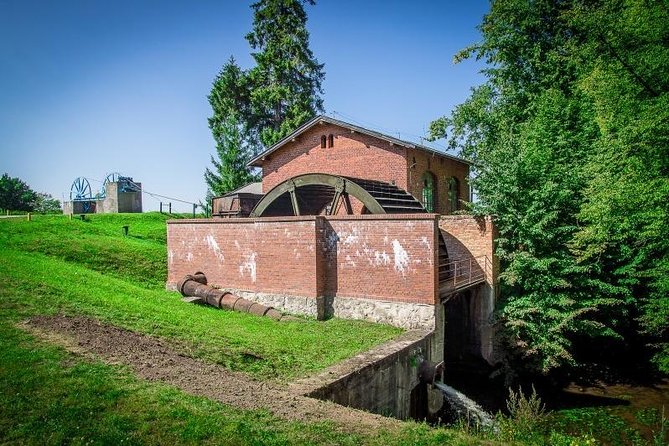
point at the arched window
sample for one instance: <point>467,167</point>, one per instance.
<point>428,191</point>
<point>323,141</point>
<point>453,194</point>
<point>331,140</point>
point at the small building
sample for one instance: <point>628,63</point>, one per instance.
<point>118,196</point>
<point>237,203</point>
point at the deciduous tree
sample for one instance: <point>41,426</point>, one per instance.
<point>15,195</point>
<point>569,138</point>
<point>46,204</point>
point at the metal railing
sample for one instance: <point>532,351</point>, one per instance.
<point>462,273</point>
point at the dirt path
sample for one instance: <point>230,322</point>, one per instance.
<point>155,360</point>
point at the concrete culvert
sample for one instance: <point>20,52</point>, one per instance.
<point>194,288</point>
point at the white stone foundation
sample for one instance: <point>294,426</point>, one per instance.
<point>399,314</point>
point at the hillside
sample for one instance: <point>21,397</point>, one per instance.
<point>93,349</point>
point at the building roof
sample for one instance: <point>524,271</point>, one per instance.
<point>251,188</point>
<point>257,161</point>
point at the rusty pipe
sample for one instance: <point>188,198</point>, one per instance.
<point>196,286</point>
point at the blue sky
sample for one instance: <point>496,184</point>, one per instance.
<point>91,87</point>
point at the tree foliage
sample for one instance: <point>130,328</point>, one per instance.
<point>286,81</point>
<point>257,107</point>
<point>16,195</point>
<point>569,139</point>
<point>46,204</point>
<point>234,144</point>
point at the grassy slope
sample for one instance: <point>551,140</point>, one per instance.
<point>49,396</point>
<point>58,265</point>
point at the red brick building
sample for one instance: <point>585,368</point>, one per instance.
<point>357,224</point>
<point>326,145</point>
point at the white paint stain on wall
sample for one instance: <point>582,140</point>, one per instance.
<point>189,257</point>
<point>352,238</point>
<point>170,257</point>
<point>425,242</point>
<point>381,258</point>
<point>331,240</point>
<point>401,257</point>
<point>211,242</point>
<point>250,266</point>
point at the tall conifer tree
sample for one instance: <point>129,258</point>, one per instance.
<point>255,108</point>
<point>234,144</point>
<point>286,81</point>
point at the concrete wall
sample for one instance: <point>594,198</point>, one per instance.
<point>116,201</point>
<point>77,207</point>
<point>130,201</point>
<point>383,380</point>
<point>110,203</point>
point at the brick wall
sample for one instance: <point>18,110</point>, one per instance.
<point>383,257</point>
<point>362,156</point>
<point>262,255</point>
<point>443,169</point>
<point>386,257</point>
<point>353,154</point>
<point>467,236</point>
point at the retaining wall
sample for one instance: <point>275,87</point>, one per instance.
<point>383,380</point>
<point>379,268</point>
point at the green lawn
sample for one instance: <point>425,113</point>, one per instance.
<point>49,396</point>
<point>56,265</point>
